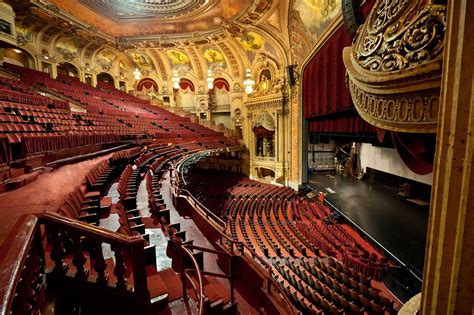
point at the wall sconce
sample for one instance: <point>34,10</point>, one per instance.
<point>248,83</point>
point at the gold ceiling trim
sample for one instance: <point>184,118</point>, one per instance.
<point>394,65</point>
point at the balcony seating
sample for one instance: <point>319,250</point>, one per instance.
<point>83,206</point>
<point>35,124</point>
<point>131,224</point>
<point>275,223</point>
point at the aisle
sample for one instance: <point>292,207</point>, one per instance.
<point>47,193</point>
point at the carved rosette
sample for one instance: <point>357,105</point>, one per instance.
<point>394,65</point>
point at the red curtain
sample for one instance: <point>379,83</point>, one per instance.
<point>327,101</point>
<point>147,84</point>
<point>262,132</point>
<point>324,79</point>
<point>349,123</point>
<point>416,150</point>
<point>221,83</point>
<point>185,83</point>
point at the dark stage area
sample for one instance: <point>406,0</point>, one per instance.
<point>396,224</point>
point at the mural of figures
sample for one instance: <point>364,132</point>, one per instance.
<point>69,46</point>
<point>213,56</point>
<point>317,14</point>
<point>309,19</point>
<point>105,58</point>
<point>141,61</point>
<point>177,58</point>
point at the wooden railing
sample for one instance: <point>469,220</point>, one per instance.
<point>24,267</point>
<point>22,276</point>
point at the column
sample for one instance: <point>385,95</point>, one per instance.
<point>448,286</point>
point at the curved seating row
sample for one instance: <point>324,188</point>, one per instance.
<point>269,220</point>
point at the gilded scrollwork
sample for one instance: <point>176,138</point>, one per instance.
<point>394,65</point>
<point>400,34</point>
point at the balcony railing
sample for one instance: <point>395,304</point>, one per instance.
<point>25,267</point>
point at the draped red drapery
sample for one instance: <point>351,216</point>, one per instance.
<point>416,150</point>
<point>327,101</point>
<point>221,83</point>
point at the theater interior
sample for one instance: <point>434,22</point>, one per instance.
<point>236,157</point>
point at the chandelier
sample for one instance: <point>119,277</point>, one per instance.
<point>248,83</point>
<point>137,74</point>
<point>175,80</point>
<point>210,80</point>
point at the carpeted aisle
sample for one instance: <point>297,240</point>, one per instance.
<point>48,192</point>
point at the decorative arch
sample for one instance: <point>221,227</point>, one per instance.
<point>147,85</point>
<point>221,83</point>
<point>19,57</point>
<point>67,69</point>
<point>185,84</point>
<point>105,78</point>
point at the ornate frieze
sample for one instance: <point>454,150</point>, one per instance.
<point>394,66</point>
<point>410,112</point>
<point>265,103</point>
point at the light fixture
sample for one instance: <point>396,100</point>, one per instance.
<point>137,74</point>
<point>210,80</point>
<point>248,83</point>
<point>175,80</point>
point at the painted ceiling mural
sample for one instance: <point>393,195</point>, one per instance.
<point>309,19</point>
<point>317,14</point>
<point>177,58</point>
<point>105,58</point>
<point>69,46</point>
<point>251,41</point>
<point>118,18</point>
<point>214,58</point>
<point>140,60</point>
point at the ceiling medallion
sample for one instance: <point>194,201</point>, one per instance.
<point>138,9</point>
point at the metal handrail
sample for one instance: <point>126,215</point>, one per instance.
<point>184,274</point>
<point>224,235</point>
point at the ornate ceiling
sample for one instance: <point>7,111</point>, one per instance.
<point>138,18</point>
<point>150,9</point>
<point>155,36</point>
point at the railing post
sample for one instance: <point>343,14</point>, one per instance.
<point>57,253</point>
<point>79,258</point>
<point>100,265</point>
<point>120,268</point>
<point>139,270</point>
<point>269,283</point>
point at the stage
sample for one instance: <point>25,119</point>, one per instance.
<point>397,225</point>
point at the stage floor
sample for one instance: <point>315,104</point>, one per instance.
<point>398,225</point>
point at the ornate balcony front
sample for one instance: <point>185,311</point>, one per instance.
<point>394,65</point>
